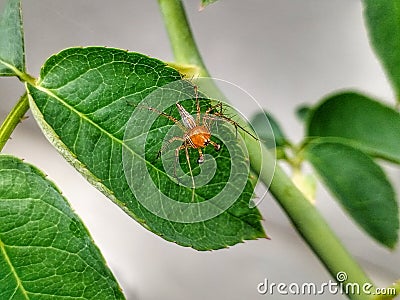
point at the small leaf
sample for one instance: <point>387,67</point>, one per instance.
<point>84,101</point>
<point>303,112</point>
<point>361,121</point>
<point>205,3</point>
<point>12,53</point>
<point>383,23</point>
<point>268,130</point>
<point>45,250</point>
<point>360,186</point>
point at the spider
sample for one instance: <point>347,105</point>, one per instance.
<point>196,131</point>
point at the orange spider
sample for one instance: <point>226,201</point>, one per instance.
<point>196,132</point>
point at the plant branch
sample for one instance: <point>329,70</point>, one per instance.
<point>14,117</point>
<point>304,216</point>
<point>307,220</point>
<point>183,45</point>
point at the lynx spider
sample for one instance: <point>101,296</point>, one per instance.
<point>196,131</point>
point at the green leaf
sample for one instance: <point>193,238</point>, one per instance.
<point>268,130</point>
<point>84,101</point>
<point>303,112</point>
<point>361,121</point>
<point>360,185</point>
<point>205,3</point>
<point>383,23</point>
<point>45,250</point>
<point>12,53</point>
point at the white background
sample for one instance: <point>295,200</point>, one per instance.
<point>285,53</point>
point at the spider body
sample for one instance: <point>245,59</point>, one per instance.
<point>196,134</point>
<point>196,131</point>
<point>199,137</point>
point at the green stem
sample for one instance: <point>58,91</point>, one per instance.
<point>179,32</point>
<point>304,216</point>
<point>20,74</point>
<point>307,220</point>
<point>14,117</point>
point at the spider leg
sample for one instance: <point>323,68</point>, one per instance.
<point>166,144</point>
<point>216,146</point>
<point>181,147</point>
<point>207,114</point>
<point>236,124</point>
<point>169,117</point>
<point>201,156</point>
<point>196,92</point>
<point>190,169</point>
<point>218,105</point>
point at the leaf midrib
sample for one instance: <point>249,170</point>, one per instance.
<point>83,116</point>
<point>13,271</point>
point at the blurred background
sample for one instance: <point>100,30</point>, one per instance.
<point>284,53</point>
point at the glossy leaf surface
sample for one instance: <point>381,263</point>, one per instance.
<point>45,250</point>
<point>360,121</point>
<point>84,100</point>
<point>383,23</point>
<point>360,186</point>
<point>12,54</point>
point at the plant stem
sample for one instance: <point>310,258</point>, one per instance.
<point>304,216</point>
<point>307,220</point>
<point>180,34</point>
<point>25,77</point>
<point>183,44</point>
<point>13,118</point>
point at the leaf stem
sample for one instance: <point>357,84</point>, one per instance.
<point>183,45</point>
<point>304,216</point>
<point>23,76</point>
<point>13,118</point>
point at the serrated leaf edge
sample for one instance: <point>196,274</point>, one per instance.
<point>52,137</point>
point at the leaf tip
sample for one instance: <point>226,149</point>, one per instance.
<point>205,3</point>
